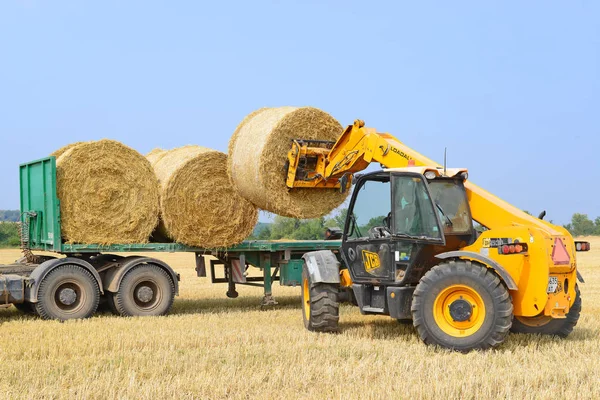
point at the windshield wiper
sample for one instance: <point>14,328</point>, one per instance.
<point>407,236</point>
<point>450,224</point>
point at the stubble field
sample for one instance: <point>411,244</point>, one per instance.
<point>214,347</point>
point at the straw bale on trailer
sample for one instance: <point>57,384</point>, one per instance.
<point>63,149</point>
<point>258,152</point>
<point>155,155</point>
<point>199,206</point>
<point>108,193</point>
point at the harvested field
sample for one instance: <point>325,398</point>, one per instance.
<point>257,148</point>
<point>199,206</point>
<point>108,193</point>
<point>213,347</point>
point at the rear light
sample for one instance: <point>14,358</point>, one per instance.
<point>582,246</point>
<point>515,248</point>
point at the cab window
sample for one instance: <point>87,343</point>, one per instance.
<point>452,206</point>
<point>371,208</point>
<point>414,214</point>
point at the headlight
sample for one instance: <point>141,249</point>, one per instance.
<point>430,175</point>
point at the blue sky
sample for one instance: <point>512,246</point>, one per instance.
<point>512,89</point>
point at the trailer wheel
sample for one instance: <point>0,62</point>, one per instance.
<point>320,306</point>
<point>146,290</point>
<point>67,292</point>
<point>462,306</point>
<point>110,303</point>
<point>550,326</point>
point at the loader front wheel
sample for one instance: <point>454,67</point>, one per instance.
<point>320,306</point>
<point>462,306</point>
<point>550,326</point>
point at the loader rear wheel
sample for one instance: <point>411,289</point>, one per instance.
<point>550,326</point>
<point>146,290</point>
<point>462,306</point>
<point>320,306</point>
<point>67,292</point>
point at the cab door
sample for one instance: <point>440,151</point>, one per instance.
<point>390,218</point>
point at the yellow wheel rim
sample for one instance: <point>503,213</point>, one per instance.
<point>306,298</point>
<point>459,311</point>
<point>534,322</point>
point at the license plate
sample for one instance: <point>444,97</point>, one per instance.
<point>552,284</point>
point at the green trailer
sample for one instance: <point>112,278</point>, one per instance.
<point>73,286</point>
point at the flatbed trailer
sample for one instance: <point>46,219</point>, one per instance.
<point>73,286</point>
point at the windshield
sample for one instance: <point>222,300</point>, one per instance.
<point>453,208</point>
<point>414,214</point>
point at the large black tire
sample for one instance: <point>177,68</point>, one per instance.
<point>146,290</point>
<point>550,326</point>
<point>320,306</point>
<point>68,292</point>
<point>110,302</point>
<point>462,306</point>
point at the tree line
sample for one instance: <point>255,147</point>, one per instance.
<point>294,229</point>
<point>313,229</point>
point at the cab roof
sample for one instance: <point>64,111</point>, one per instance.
<point>450,172</point>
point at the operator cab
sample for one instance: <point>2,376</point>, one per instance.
<point>398,219</point>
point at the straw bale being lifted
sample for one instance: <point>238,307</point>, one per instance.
<point>199,206</point>
<point>108,193</point>
<point>258,152</point>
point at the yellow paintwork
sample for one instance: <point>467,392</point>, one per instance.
<point>441,310</point>
<point>359,146</point>
<point>306,298</point>
<point>345,280</point>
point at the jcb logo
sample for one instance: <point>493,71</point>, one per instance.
<point>370,260</point>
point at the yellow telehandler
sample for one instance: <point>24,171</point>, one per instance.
<point>410,249</point>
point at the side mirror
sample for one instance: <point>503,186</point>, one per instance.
<point>344,183</point>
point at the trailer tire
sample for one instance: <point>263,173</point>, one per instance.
<point>320,306</point>
<point>110,303</point>
<point>67,292</point>
<point>462,306</point>
<point>146,290</point>
<point>548,325</point>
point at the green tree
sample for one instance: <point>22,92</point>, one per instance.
<point>264,234</point>
<point>9,234</point>
<point>297,229</point>
<point>581,225</point>
<point>9,215</point>
<point>375,221</point>
<point>338,220</point>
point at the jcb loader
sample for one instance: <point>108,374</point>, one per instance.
<point>410,249</point>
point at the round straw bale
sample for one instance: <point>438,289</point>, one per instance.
<point>108,194</point>
<point>258,153</point>
<point>63,149</point>
<point>199,206</point>
<point>155,155</point>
